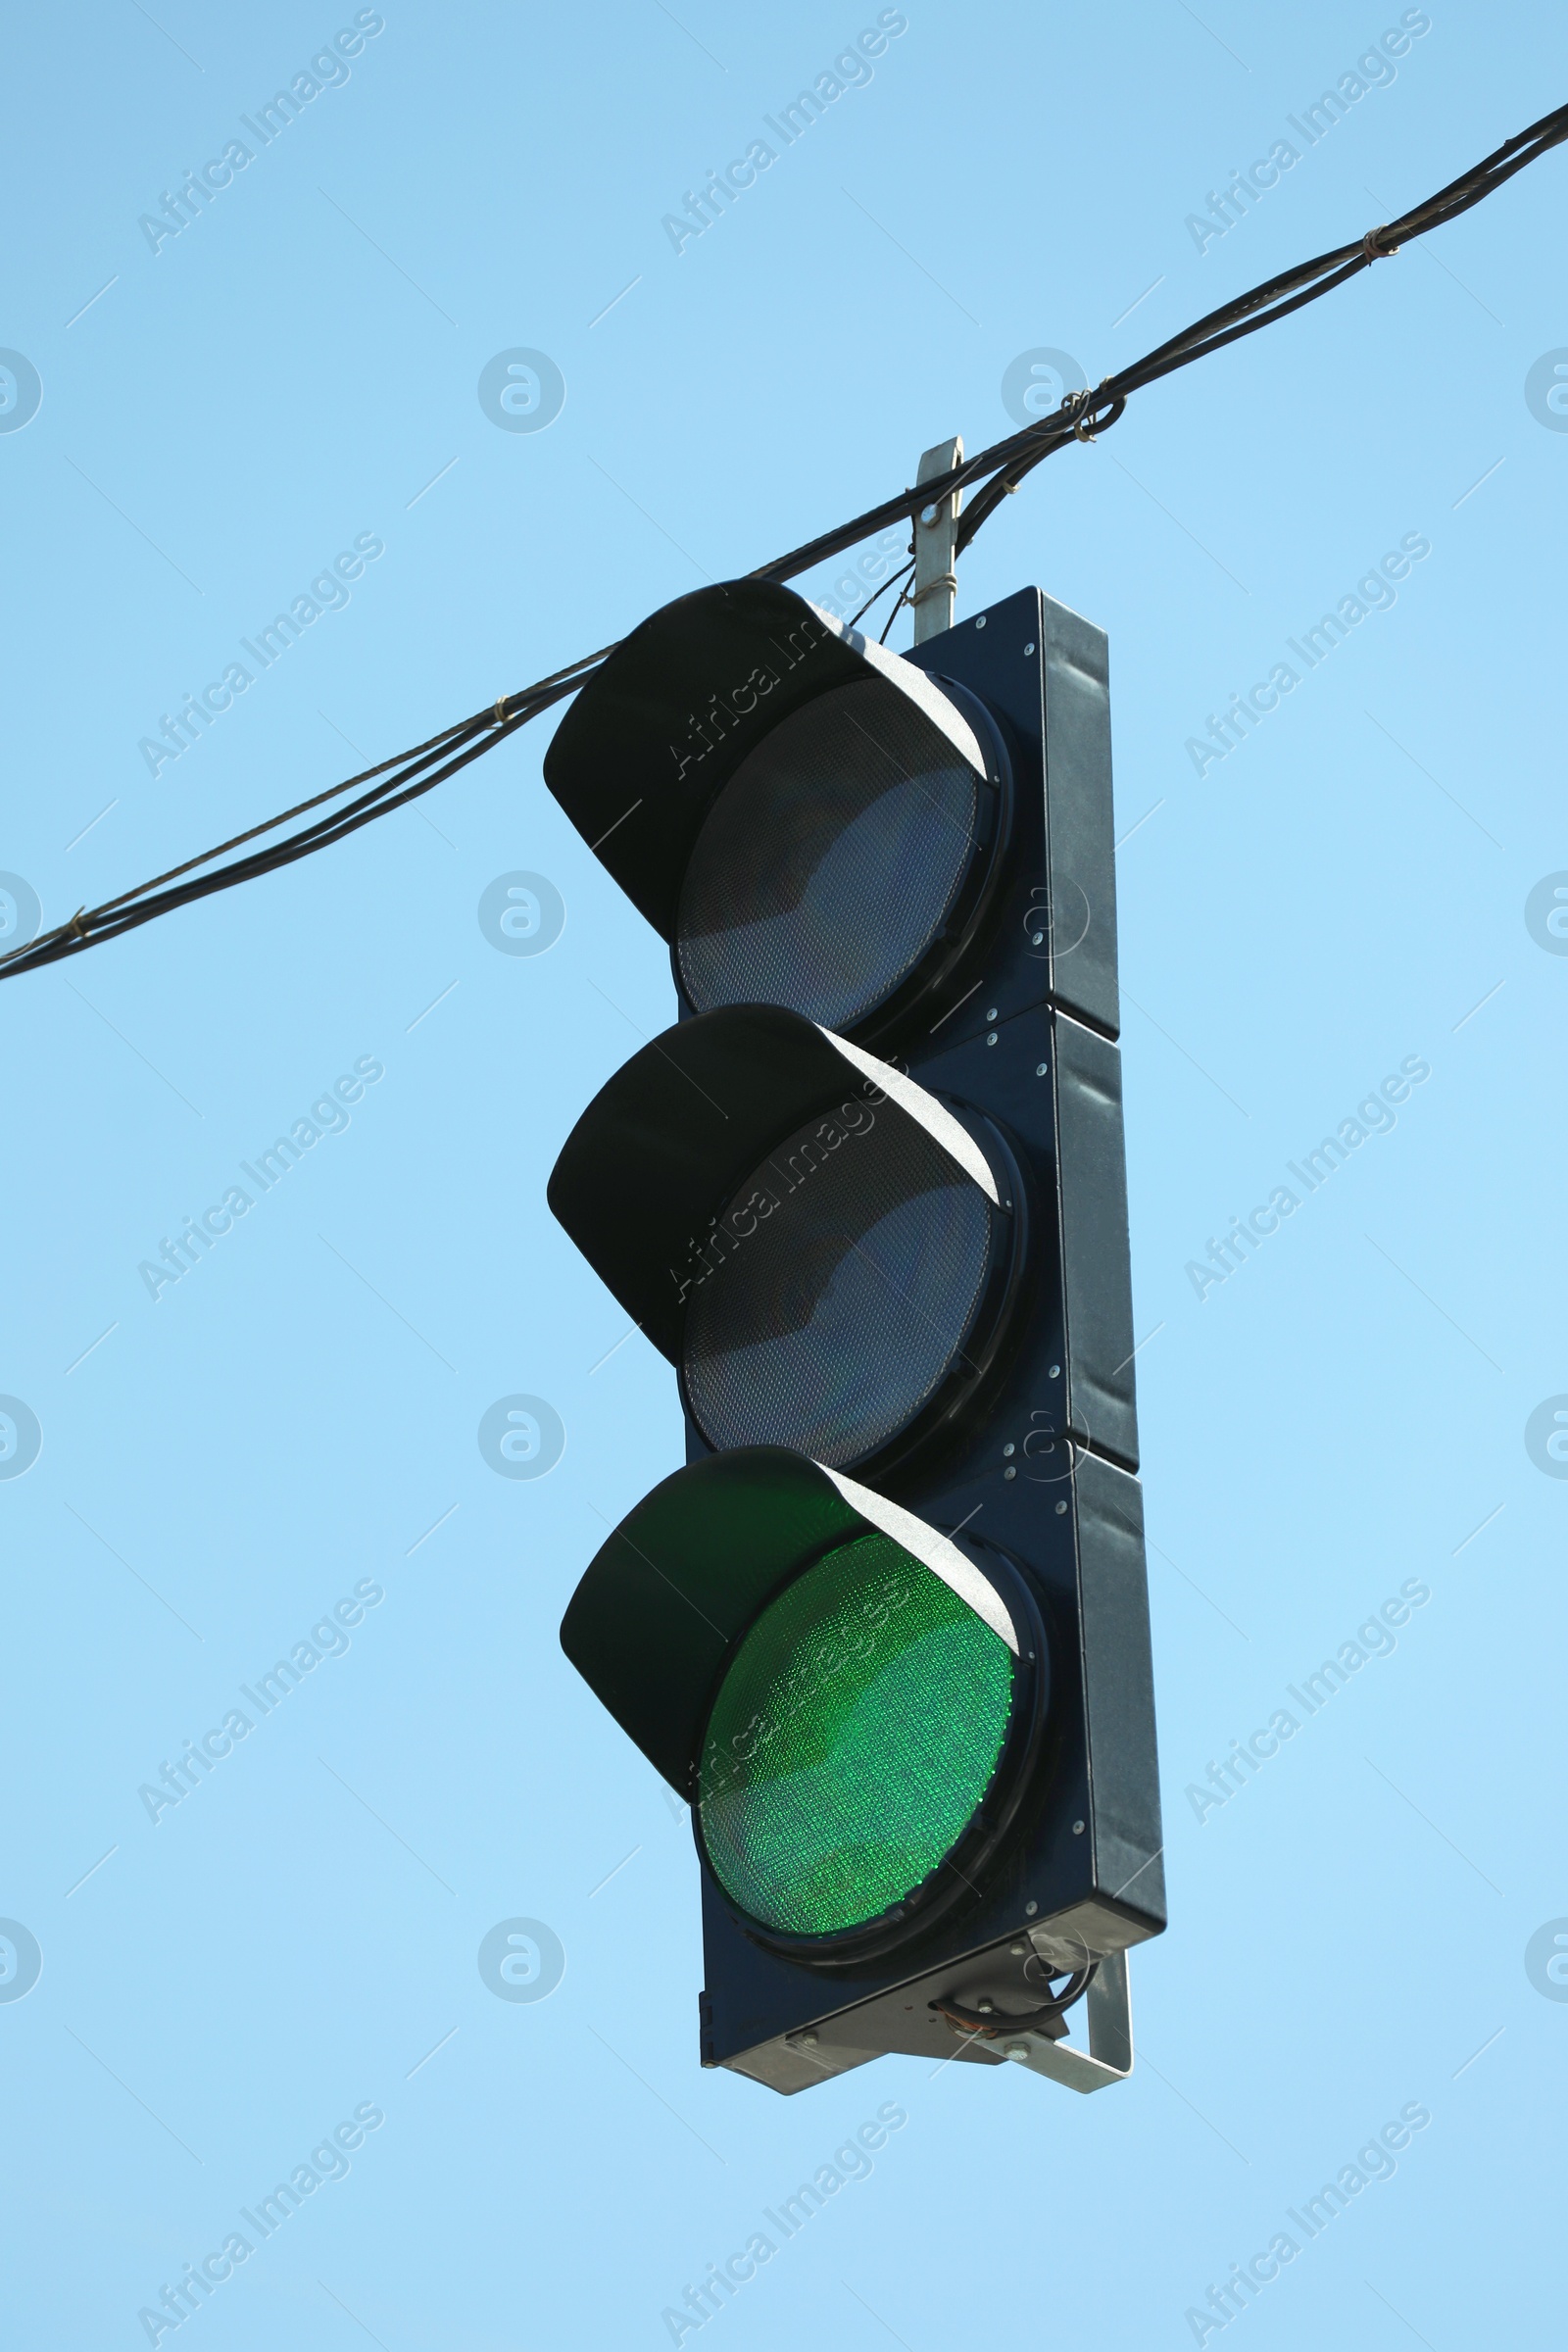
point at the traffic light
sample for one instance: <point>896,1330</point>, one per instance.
<point>887,1631</point>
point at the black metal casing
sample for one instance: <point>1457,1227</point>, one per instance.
<point>1103,1887</point>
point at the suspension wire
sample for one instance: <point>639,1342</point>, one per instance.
<point>1081,416</point>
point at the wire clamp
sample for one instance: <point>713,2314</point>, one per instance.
<point>1076,408</point>
<point>1373,247</point>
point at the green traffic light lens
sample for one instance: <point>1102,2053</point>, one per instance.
<point>852,1742</point>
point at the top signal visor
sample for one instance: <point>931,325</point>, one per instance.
<point>809,820</point>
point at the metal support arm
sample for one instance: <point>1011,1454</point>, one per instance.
<point>936,546</point>
<point>1108,2011</point>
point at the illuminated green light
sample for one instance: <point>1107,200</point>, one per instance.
<point>852,1741</point>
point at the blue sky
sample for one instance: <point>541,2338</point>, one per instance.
<point>295,378</point>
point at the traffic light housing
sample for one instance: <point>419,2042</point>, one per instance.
<point>888,1630</point>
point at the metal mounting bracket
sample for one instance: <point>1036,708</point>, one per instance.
<point>936,546</point>
<point>1107,2010</point>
